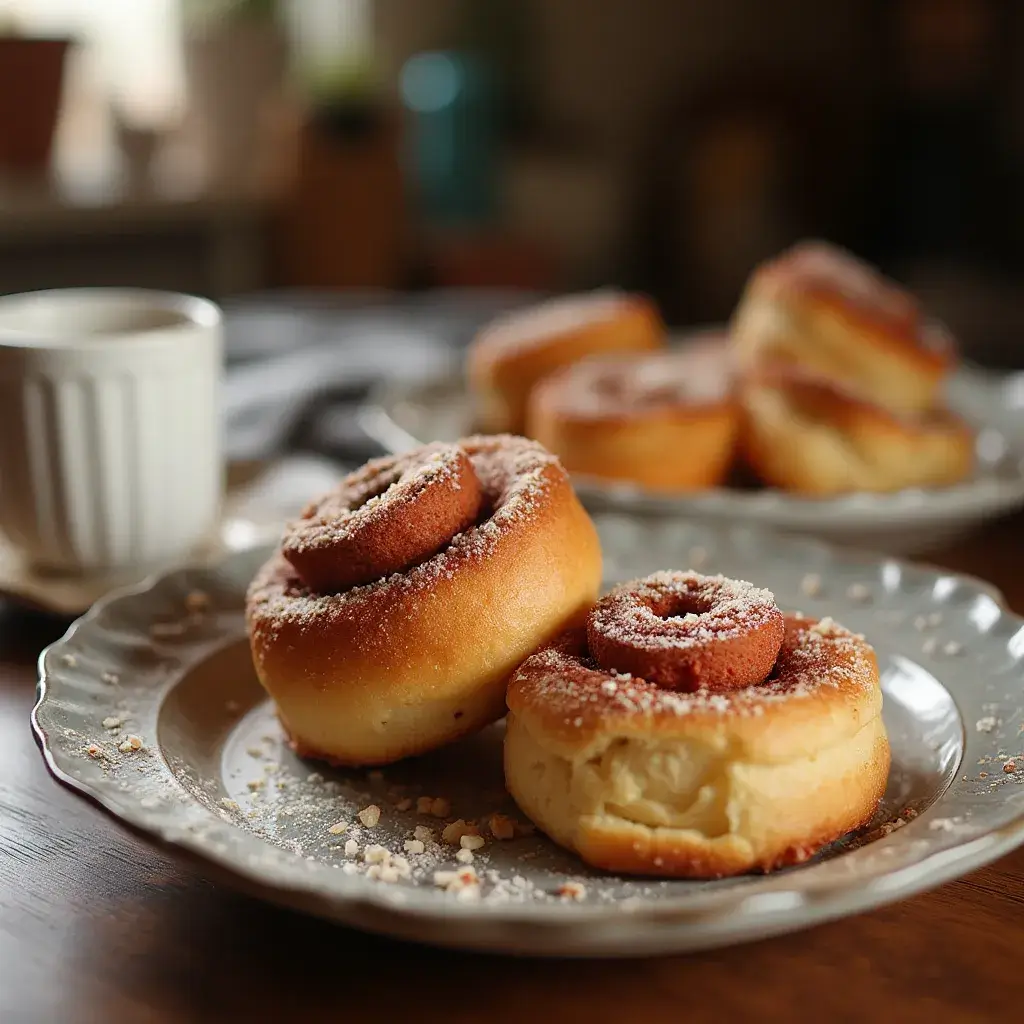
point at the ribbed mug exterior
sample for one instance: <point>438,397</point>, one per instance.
<point>110,449</point>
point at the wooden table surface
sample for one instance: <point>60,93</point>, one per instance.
<point>97,926</point>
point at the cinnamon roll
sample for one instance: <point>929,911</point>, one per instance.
<point>514,352</point>
<point>666,421</point>
<point>712,737</point>
<point>804,434</point>
<point>390,618</point>
<point>821,308</point>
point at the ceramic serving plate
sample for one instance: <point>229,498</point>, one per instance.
<point>403,416</point>
<point>149,705</point>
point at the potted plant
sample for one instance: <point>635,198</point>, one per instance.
<point>31,85</point>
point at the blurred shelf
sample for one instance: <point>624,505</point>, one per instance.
<point>55,234</point>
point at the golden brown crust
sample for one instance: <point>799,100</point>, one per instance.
<point>509,356</point>
<point>643,780</point>
<point>805,434</point>
<point>402,665</point>
<point>667,422</point>
<point>820,307</point>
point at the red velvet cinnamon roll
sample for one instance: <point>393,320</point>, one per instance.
<point>397,606</point>
<point>715,737</point>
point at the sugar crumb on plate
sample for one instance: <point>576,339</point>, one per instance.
<point>369,815</point>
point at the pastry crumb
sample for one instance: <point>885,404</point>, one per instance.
<point>572,891</point>
<point>130,745</point>
<point>452,834</point>
<point>501,826</point>
<point>1010,767</point>
<point>351,848</point>
<point>423,834</point>
<point>404,804</point>
<point>370,815</point>
<point>229,804</point>
<point>94,750</point>
<point>440,807</point>
<point>414,846</point>
<point>338,827</point>
<point>464,856</point>
<point>463,884</point>
<point>471,842</point>
<point>986,724</point>
<point>112,722</point>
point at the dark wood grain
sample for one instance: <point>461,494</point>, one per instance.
<point>97,926</point>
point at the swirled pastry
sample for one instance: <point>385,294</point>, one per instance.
<point>666,421</point>
<point>520,348</point>
<point>618,754</point>
<point>390,619</point>
<point>804,434</point>
<point>820,308</point>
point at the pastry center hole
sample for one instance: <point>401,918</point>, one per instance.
<point>678,606</point>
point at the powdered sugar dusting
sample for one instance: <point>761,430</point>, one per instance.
<point>623,384</point>
<point>516,476</point>
<point>827,268</point>
<point>567,682</point>
<point>733,607</point>
<point>380,485</point>
<point>538,324</point>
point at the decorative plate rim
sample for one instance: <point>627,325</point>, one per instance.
<point>725,915</point>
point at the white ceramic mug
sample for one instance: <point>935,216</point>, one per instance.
<point>110,448</point>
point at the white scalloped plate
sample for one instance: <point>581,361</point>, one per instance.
<point>207,780</point>
<point>401,416</point>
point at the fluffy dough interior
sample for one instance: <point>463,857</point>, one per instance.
<point>697,791</point>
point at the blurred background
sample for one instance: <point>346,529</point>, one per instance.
<point>308,162</point>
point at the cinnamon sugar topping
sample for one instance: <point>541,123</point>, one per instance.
<point>623,384</point>
<point>737,606</point>
<point>569,683</point>
<point>516,477</point>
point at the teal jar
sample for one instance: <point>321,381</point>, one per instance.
<point>451,137</point>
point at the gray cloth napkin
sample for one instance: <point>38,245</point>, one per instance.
<point>299,365</point>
